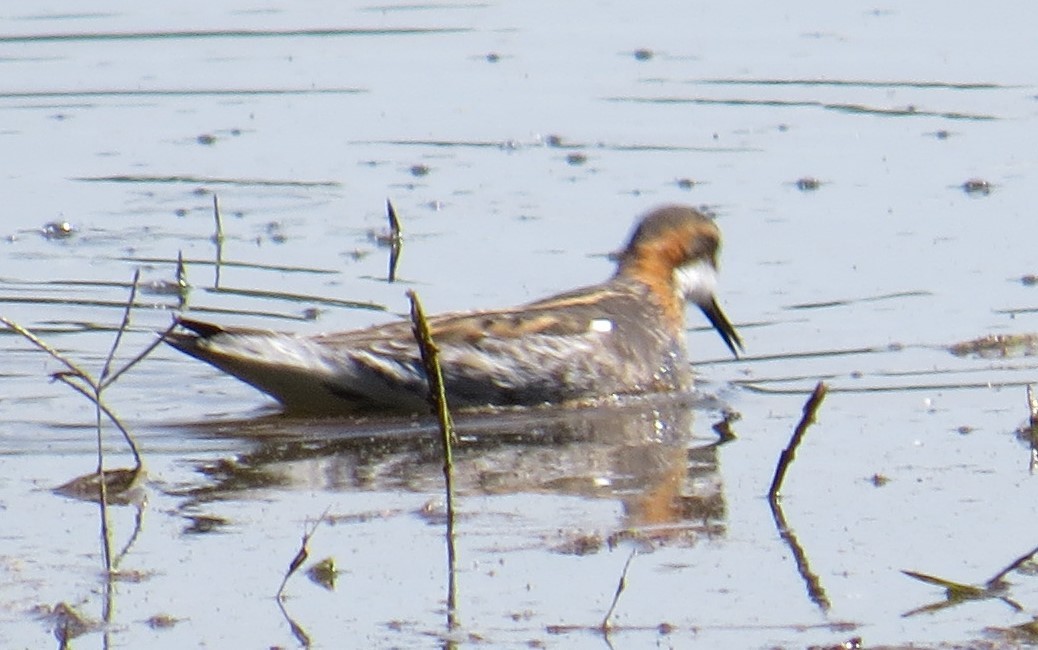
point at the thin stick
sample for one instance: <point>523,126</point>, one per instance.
<point>789,453</point>
<point>35,340</point>
<point>302,554</point>
<point>183,286</point>
<point>431,361</point>
<point>102,490</point>
<point>137,359</point>
<point>620,586</point>
<point>218,235</point>
<point>395,231</point>
<point>1032,403</point>
<point>83,383</point>
<point>438,395</point>
<point>122,329</point>
<point>96,399</point>
<point>996,580</point>
<point>181,273</point>
<point>396,241</point>
<point>218,240</point>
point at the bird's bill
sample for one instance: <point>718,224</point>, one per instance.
<point>721,323</point>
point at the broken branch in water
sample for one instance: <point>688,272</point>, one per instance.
<point>789,453</point>
<point>302,554</point>
<point>1032,404</point>
<point>620,586</point>
<point>396,241</point>
<point>438,396</point>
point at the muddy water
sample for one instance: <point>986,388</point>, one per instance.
<point>869,168</point>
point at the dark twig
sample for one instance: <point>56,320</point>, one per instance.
<point>1032,404</point>
<point>183,286</point>
<point>789,453</point>
<point>999,578</point>
<point>122,329</point>
<point>181,274</point>
<point>218,240</point>
<point>394,223</point>
<point>85,384</point>
<point>957,592</point>
<point>396,240</point>
<point>815,591</point>
<point>38,342</point>
<point>218,235</point>
<point>140,356</point>
<point>438,395</point>
<point>297,630</point>
<point>302,554</point>
<point>620,586</point>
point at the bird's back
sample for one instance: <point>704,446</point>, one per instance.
<point>595,341</point>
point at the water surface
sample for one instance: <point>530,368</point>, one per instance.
<point>518,141</point>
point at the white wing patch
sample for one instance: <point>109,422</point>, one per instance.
<point>601,325</point>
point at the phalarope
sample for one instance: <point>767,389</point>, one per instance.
<point>624,336</point>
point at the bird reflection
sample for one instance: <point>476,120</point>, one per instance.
<point>641,452</point>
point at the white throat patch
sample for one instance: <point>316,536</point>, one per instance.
<point>696,281</point>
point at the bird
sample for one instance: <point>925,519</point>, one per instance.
<point>624,336</point>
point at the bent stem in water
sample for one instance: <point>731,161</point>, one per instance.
<point>438,396</point>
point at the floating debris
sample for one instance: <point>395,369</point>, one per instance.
<point>998,346</point>
<point>122,487</point>
<point>576,159</point>
<point>69,623</point>
<point>161,622</point>
<point>976,187</point>
<point>723,428</point>
<point>202,524</point>
<point>581,543</point>
<point>878,480</point>
<point>357,254</point>
<point>58,230</point>
<point>323,573</point>
<point>807,184</point>
<point>276,232</point>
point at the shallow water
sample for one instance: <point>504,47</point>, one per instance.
<point>518,142</point>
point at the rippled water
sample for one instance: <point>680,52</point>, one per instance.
<point>871,169</point>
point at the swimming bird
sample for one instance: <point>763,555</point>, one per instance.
<point>623,336</point>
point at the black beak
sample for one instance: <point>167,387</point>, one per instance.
<point>722,325</point>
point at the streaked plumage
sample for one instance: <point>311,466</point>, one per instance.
<point>624,336</point>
